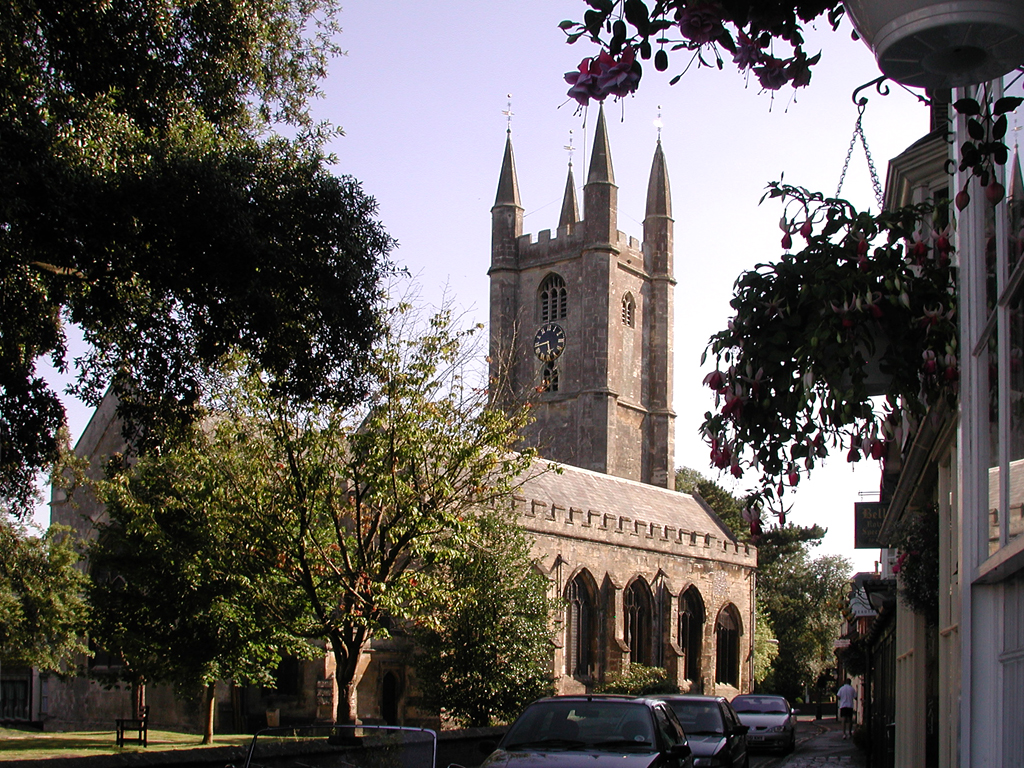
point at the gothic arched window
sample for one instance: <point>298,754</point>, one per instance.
<point>549,377</point>
<point>638,622</point>
<point>579,626</point>
<point>553,298</point>
<point>691,631</point>
<point>727,643</point>
<point>628,309</point>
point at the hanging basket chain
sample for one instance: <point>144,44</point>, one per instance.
<point>858,132</point>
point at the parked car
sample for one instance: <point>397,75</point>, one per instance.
<point>594,732</point>
<point>770,719</point>
<point>715,734</point>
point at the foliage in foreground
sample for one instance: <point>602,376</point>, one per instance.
<point>145,200</point>
<point>638,680</point>
<point>753,33</point>
<point>792,377</point>
<point>483,638</point>
<point>328,512</point>
<point>42,609</point>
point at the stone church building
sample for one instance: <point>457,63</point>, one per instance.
<point>584,317</point>
<point>581,320</point>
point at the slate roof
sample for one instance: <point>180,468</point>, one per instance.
<point>598,492</point>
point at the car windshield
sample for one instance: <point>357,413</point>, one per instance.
<point>342,746</point>
<point>767,705</point>
<point>698,718</point>
<point>583,725</point>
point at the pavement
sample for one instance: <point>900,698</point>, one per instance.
<point>821,742</point>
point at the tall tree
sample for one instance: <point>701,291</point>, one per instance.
<point>42,609</point>
<point>145,199</point>
<point>332,510</point>
<point>803,598</point>
<point>484,640</point>
<point>168,600</point>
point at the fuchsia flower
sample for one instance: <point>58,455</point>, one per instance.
<point>930,365</point>
<point>917,249</point>
<point>943,246</point>
<point>793,476</point>
<point>747,53</point>
<point>772,74</point>
<point>700,23</point>
<point>716,380</point>
<point>604,76</point>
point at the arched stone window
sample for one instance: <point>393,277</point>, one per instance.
<point>628,309</point>
<point>580,626</point>
<point>639,617</point>
<point>553,298</point>
<point>549,377</point>
<point>727,643</point>
<point>690,634</point>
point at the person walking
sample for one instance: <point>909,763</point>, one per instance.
<point>847,696</point>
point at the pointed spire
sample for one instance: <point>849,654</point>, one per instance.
<point>659,196</point>
<point>1017,180</point>
<point>570,208</point>
<point>601,157</point>
<point>508,184</point>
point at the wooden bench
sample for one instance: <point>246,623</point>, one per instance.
<point>137,725</point>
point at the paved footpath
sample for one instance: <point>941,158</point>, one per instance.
<point>821,742</point>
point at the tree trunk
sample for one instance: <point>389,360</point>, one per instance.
<point>346,659</point>
<point>209,708</point>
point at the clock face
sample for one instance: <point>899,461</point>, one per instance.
<point>549,342</point>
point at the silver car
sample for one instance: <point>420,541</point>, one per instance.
<point>770,719</point>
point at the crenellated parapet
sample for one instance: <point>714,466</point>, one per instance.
<point>568,521</point>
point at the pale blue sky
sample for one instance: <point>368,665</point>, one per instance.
<point>420,96</point>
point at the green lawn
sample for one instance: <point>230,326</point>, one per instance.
<point>36,745</point>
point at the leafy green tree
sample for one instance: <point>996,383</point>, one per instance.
<point>42,610</point>
<point>145,198</point>
<point>168,600</point>
<point>331,510</point>
<point>803,598</point>
<point>484,640</point>
<point>726,505</point>
<point>766,645</point>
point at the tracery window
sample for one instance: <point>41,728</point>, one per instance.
<point>553,298</point>
<point>690,635</point>
<point>579,626</point>
<point>638,622</point>
<point>727,642</point>
<point>628,309</point>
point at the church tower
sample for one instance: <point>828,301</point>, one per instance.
<point>581,322</point>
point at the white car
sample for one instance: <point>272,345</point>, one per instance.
<point>771,721</point>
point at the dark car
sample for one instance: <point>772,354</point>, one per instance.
<point>596,732</point>
<point>715,734</point>
<point>771,719</point>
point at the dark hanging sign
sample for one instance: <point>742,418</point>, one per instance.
<point>867,522</point>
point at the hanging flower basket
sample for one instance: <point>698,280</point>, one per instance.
<point>941,44</point>
<point>865,307</point>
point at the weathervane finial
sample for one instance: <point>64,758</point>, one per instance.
<point>569,148</point>
<point>508,114</point>
<point>658,124</point>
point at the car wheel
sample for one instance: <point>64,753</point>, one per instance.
<point>792,744</point>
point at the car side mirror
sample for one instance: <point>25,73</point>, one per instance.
<point>742,729</point>
<point>680,751</point>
